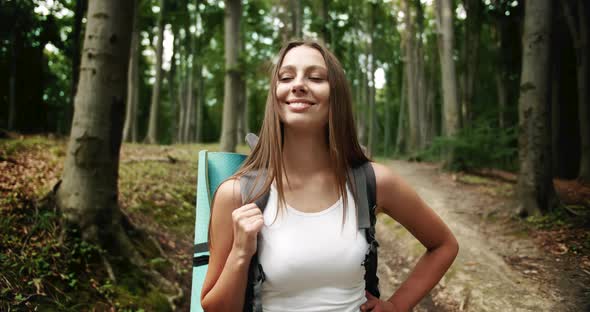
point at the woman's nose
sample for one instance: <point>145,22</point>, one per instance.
<point>298,86</point>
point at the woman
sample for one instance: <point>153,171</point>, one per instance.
<point>306,239</point>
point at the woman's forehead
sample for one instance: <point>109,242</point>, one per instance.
<point>303,56</point>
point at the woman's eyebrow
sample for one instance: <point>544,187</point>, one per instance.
<point>311,67</point>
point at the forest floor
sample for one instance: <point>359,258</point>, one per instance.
<point>504,264</point>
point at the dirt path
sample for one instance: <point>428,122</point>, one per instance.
<point>499,268</point>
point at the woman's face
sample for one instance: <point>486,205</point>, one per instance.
<point>303,90</point>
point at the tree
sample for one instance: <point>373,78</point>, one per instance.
<point>576,14</point>
<point>535,185</point>
<point>87,193</point>
<point>152,133</point>
<point>471,45</point>
<point>130,128</point>
<point>296,18</point>
<point>448,74</point>
<point>233,12</point>
<point>79,13</point>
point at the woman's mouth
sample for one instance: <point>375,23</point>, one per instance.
<point>299,106</point>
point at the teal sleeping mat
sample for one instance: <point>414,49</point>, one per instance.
<point>213,168</point>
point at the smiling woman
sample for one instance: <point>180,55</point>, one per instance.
<point>311,246</point>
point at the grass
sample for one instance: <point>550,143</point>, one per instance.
<point>42,269</point>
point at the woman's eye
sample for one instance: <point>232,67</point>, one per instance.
<point>316,78</point>
<point>285,78</point>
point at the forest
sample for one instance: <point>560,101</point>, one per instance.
<point>105,104</point>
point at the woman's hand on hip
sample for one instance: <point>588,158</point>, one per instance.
<point>247,222</point>
<point>375,304</point>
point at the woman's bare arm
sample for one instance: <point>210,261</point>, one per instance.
<point>225,283</point>
<point>398,200</point>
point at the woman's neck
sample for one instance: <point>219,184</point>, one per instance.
<point>305,153</point>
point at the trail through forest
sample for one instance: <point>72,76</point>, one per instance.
<point>500,266</point>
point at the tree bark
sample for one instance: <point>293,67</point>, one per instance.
<point>130,128</point>
<point>152,133</point>
<point>448,74</point>
<point>471,54</point>
<point>576,15</point>
<point>87,195</point>
<point>400,144</point>
<point>535,185</point>
<point>412,88</point>
<point>233,13</point>
<point>77,30</point>
<point>371,85</point>
<point>296,18</point>
<point>14,43</point>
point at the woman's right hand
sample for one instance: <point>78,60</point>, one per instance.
<point>247,222</point>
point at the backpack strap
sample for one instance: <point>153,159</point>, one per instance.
<point>251,183</point>
<point>370,263</point>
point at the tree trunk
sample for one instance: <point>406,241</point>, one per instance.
<point>326,22</point>
<point>152,133</point>
<point>198,80</point>
<point>448,74</point>
<point>371,85</point>
<point>412,88</point>
<point>87,194</point>
<point>471,54</point>
<point>77,29</point>
<point>233,13</point>
<point>535,185</point>
<point>576,14</point>
<point>171,79</point>
<point>400,146</point>
<point>200,105</point>
<point>189,120</point>
<point>296,18</point>
<point>14,43</point>
<point>129,130</point>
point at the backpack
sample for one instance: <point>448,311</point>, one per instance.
<point>215,167</point>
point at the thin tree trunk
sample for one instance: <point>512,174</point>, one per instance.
<point>412,88</point>
<point>448,74</point>
<point>76,31</point>
<point>198,79</point>
<point>535,184</point>
<point>400,146</point>
<point>555,113</point>
<point>171,83</point>
<point>296,18</point>
<point>577,20</point>
<point>200,106</point>
<point>371,85</point>
<point>152,133</point>
<point>132,79</point>
<point>14,42</point>
<point>326,21</point>
<point>190,102</point>
<point>471,54</point>
<point>233,12</point>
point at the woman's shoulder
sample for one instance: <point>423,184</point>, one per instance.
<point>228,194</point>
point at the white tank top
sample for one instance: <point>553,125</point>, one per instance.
<point>311,261</point>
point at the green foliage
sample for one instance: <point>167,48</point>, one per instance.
<point>478,146</point>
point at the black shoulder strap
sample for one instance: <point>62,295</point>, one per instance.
<point>365,185</point>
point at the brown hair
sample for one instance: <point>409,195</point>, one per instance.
<point>341,136</point>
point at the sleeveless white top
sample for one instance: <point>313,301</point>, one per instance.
<point>311,261</point>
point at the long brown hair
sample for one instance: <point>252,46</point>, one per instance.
<point>341,136</point>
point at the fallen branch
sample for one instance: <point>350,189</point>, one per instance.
<point>168,159</point>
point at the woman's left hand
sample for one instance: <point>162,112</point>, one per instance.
<point>377,305</point>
